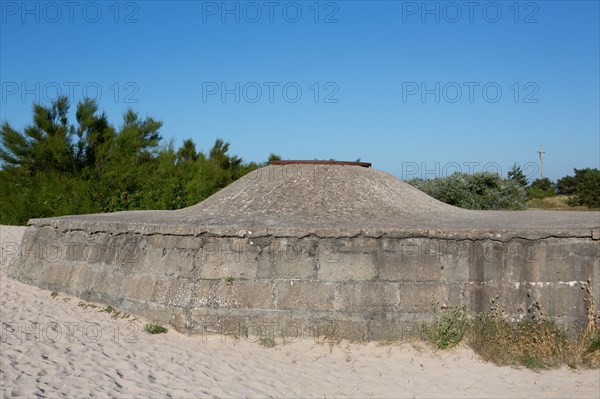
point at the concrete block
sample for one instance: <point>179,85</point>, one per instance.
<point>130,253</point>
<point>162,289</point>
<point>563,261</point>
<point>56,275</point>
<point>81,279</point>
<point>109,282</point>
<point>387,328</point>
<point>409,260</point>
<point>560,299</point>
<point>498,263</point>
<point>244,294</point>
<point>490,263</point>
<point>424,297</point>
<point>349,267</point>
<point>169,262</point>
<point>304,295</point>
<point>487,299</point>
<point>288,259</point>
<point>30,271</point>
<point>181,293</point>
<point>328,251</point>
<point>365,296</point>
<point>204,295</point>
<point>221,258</point>
<point>138,288</point>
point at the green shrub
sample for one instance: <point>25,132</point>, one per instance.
<point>566,185</point>
<point>483,190</point>
<point>448,330</point>
<point>538,193</point>
<point>152,328</point>
<point>541,188</point>
<point>587,188</point>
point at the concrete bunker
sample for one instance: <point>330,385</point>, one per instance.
<point>318,249</point>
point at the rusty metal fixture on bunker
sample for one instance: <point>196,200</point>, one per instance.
<point>316,162</point>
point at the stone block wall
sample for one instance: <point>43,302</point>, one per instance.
<point>363,288</point>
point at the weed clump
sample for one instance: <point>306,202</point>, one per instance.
<point>152,328</point>
<point>448,330</point>
<point>267,342</point>
<point>534,342</point>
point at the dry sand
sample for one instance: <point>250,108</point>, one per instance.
<point>67,355</point>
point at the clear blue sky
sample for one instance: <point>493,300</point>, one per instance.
<point>402,85</point>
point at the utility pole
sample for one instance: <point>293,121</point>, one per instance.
<point>541,166</point>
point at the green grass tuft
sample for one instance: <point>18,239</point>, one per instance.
<point>152,328</point>
<point>267,342</point>
<point>448,330</point>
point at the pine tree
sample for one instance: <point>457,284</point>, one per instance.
<point>516,174</point>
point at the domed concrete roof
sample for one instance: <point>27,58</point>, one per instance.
<point>327,200</point>
<point>320,195</point>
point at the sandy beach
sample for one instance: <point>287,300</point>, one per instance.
<point>55,346</point>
